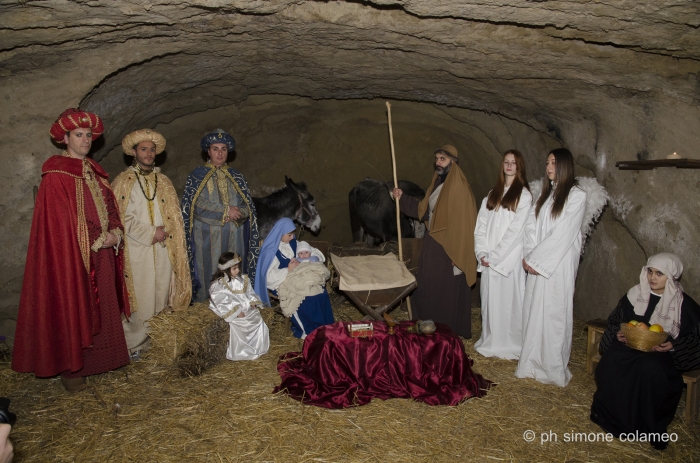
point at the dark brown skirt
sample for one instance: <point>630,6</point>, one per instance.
<point>441,296</point>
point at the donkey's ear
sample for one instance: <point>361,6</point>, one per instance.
<point>290,183</point>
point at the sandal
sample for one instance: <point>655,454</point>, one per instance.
<point>74,384</point>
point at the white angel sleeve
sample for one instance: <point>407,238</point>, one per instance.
<point>513,238</point>
<point>480,241</point>
<point>545,257</point>
<point>530,232</point>
<point>250,295</point>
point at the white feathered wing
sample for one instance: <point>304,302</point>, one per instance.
<point>596,199</point>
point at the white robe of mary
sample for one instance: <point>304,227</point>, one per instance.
<point>552,247</point>
<point>249,336</point>
<point>498,238</point>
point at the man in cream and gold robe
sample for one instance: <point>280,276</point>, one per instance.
<point>156,267</point>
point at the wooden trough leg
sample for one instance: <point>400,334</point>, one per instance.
<point>403,295</point>
<point>376,314</point>
<point>366,309</point>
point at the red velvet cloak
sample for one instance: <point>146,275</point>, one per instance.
<point>60,311</point>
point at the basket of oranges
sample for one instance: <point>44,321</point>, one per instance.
<point>642,337</point>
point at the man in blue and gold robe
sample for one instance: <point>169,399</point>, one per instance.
<point>219,215</point>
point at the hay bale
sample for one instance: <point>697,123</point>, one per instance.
<point>188,341</point>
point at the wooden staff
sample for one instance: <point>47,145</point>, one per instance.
<point>396,185</point>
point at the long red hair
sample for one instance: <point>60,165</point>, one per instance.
<point>512,196</point>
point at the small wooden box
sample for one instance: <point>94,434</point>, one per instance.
<point>361,330</point>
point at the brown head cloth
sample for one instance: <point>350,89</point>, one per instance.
<point>454,218</point>
<point>448,150</point>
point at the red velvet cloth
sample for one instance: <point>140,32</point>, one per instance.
<point>61,311</point>
<point>337,371</point>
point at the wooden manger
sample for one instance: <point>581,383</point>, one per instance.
<point>375,303</point>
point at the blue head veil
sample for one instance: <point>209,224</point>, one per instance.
<point>267,255</point>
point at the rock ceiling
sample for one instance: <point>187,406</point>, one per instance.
<point>540,62</point>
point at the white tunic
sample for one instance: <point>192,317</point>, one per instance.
<point>498,238</point>
<point>553,248</point>
<point>249,337</point>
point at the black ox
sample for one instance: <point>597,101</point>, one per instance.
<point>293,201</point>
<point>373,212</point>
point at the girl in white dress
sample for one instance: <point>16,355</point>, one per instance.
<point>498,244</point>
<point>552,248</point>
<point>233,299</point>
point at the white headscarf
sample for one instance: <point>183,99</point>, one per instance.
<point>668,310</point>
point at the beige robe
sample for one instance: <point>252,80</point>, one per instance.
<point>453,220</point>
<point>152,281</point>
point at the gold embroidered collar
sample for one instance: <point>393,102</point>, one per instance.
<point>241,291</point>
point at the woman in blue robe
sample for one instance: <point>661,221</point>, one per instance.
<point>277,259</point>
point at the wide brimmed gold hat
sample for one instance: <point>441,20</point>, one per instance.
<point>134,138</point>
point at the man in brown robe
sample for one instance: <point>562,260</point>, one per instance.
<point>447,267</point>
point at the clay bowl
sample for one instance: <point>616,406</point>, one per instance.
<point>426,326</point>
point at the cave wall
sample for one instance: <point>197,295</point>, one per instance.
<point>649,211</point>
<point>612,81</point>
<point>334,144</point>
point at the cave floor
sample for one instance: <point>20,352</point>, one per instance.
<point>145,413</point>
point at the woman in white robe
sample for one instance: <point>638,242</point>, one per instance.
<point>498,245</point>
<point>234,300</point>
<point>552,247</point>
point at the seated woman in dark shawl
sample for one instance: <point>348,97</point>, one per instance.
<point>640,391</point>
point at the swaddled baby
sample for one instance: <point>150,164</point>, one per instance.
<point>307,253</point>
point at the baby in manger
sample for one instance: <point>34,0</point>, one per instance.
<point>234,300</point>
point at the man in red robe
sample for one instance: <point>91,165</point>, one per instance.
<point>69,320</point>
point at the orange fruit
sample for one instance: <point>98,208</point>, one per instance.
<point>656,328</point>
<point>642,326</point>
<point>631,325</point>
